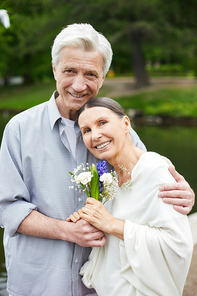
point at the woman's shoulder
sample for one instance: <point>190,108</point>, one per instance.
<point>155,159</point>
<point>152,164</point>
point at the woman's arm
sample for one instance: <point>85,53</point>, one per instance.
<point>179,194</point>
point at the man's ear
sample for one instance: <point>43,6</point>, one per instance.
<point>102,82</point>
<point>54,71</point>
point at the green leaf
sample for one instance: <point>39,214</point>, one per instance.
<point>94,182</point>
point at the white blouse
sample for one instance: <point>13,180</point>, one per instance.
<point>155,256</point>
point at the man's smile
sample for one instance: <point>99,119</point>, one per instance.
<point>76,96</point>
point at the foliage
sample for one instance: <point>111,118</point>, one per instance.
<point>170,70</point>
<point>28,41</point>
<point>139,31</point>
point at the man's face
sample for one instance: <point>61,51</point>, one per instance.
<point>79,76</point>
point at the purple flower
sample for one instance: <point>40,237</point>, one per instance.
<point>101,168</point>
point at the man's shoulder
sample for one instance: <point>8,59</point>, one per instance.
<point>33,113</point>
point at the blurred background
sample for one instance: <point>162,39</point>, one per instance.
<point>153,72</point>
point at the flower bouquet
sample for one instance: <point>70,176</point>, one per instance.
<point>96,181</point>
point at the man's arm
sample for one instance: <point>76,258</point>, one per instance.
<point>178,194</point>
<point>82,233</point>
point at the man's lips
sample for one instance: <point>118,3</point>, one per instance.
<point>102,145</point>
<point>77,96</point>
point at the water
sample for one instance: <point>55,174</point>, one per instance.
<point>178,143</point>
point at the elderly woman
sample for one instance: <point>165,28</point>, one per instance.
<point>149,244</point>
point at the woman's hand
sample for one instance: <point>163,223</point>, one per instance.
<point>74,217</point>
<point>96,214</point>
<point>179,194</point>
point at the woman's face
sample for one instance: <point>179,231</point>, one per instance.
<point>104,132</point>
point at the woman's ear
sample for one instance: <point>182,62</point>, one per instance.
<point>127,123</point>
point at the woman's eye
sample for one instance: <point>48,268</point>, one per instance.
<point>103,122</point>
<point>86,131</point>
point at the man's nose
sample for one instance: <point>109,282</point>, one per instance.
<point>79,83</point>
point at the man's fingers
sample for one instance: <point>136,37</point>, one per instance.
<point>183,210</point>
<point>177,194</point>
<point>178,202</point>
<point>98,242</point>
<point>175,186</point>
<point>175,174</point>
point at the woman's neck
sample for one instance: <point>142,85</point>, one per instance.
<point>125,163</point>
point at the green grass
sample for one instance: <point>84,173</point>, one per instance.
<point>22,97</point>
<point>176,102</point>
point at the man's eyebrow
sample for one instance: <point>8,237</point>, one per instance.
<point>66,67</point>
<point>92,72</point>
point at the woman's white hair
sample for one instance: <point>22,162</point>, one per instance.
<point>82,36</point>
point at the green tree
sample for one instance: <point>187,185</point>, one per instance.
<point>139,30</point>
<point>145,29</point>
<point>27,43</point>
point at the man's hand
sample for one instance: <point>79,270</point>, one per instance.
<point>86,235</point>
<point>81,232</point>
<point>179,194</point>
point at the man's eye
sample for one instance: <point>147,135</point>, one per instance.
<point>69,71</point>
<point>103,122</point>
<point>91,75</point>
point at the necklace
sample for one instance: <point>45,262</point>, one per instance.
<point>127,183</point>
<point>123,170</point>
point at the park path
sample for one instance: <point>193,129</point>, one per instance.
<point>122,86</point>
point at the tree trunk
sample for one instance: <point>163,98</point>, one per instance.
<point>138,61</point>
<point>29,79</point>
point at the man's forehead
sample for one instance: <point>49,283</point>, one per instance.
<point>74,58</point>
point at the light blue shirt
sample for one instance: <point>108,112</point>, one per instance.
<point>35,159</point>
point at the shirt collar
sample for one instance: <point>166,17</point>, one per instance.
<point>54,113</point>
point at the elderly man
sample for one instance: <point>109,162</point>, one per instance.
<point>43,252</point>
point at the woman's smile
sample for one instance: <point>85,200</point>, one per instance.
<point>102,132</point>
<point>103,145</point>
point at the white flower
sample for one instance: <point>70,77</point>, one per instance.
<point>106,178</point>
<point>83,178</point>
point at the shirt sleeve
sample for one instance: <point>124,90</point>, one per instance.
<point>15,202</point>
<point>155,257</point>
<point>136,140</point>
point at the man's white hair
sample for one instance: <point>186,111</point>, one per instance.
<point>85,37</point>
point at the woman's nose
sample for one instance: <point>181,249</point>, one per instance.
<point>96,135</point>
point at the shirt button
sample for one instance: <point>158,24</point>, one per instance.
<point>76,260</point>
<point>79,199</point>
